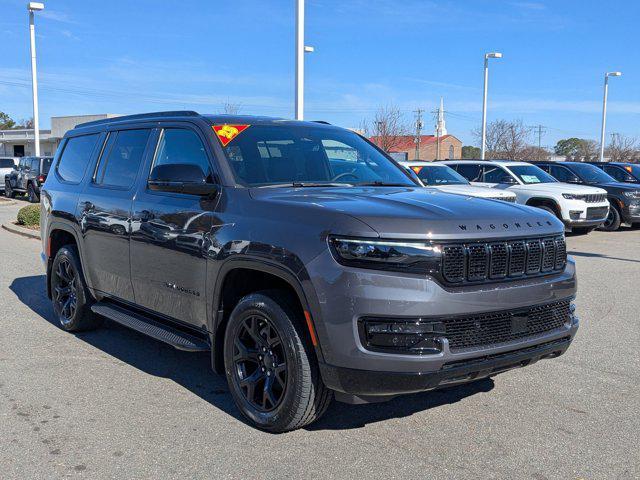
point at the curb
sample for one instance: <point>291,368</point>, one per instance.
<point>18,230</point>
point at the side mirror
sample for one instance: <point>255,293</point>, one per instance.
<point>508,180</point>
<point>181,178</point>
<point>573,179</point>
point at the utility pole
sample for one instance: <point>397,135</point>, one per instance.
<point>34,7</point>
<point>300,50</point>
<point>604,110</point>
<point>418,113</point>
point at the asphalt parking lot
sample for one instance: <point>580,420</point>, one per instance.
<point>115,404</point>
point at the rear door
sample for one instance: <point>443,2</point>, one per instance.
<point>105,210</point>
<point>170,232</point>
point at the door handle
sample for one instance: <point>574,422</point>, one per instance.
<point>88,206</point>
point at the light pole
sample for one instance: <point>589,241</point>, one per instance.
<point>604,109</point>
<point>301,49</point>
<point>34,7</point>
<point>487,56</point>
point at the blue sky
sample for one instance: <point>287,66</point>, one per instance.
<point>129,56</point>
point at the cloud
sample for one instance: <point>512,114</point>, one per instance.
<point>56,16</point>
<point>530,5</point>
<point>68,34</point>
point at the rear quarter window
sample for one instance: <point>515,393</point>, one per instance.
<point>6,163</point>
<point>75,157</point>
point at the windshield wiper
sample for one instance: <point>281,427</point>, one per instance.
<point>319,184</point>
<point>379,183</point>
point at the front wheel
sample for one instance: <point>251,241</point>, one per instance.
<point>614,219</point>
<point>270,365</point>
<point>8,191</point>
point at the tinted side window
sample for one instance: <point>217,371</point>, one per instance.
<point>35,165</point>
<point>616,173</point>
<point>75,157</point>
<point>121,159</point>
<point>182,146</point>
<point>561,174</point>
<point>471,172</point>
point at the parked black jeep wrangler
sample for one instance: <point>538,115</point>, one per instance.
<point>27,177</point>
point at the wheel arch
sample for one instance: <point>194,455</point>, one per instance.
<point>261,270</point>
<point>59,235</point>
<point>547,202</point>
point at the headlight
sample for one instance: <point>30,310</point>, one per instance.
<point>632,194</point>
<point>412,257</point>
<point>572,196</point>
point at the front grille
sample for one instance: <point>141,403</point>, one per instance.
<point>499,327</point>
<point>504,199</point>
<point>595,197</point>
<point>594,213</point>
<point>488,261</point>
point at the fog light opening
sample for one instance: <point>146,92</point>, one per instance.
<point>416,337</point>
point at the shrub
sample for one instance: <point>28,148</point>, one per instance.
<point>29,215</point>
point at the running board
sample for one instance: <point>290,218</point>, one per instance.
<point>174,337</point>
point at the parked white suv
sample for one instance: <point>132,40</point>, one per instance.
<point>7,164</point>
<point>446,179</point>
<point>579,207</point>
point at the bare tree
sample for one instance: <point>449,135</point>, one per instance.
<point>25,123</point>
<point>506,140</point>
<point>622,148</point>
<point>533,152</point>
<point>231,108</point>
<point>587,151</point>
<point>387,128</point>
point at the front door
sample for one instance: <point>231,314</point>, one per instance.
<point>169,234</point>
<point>105,212</point>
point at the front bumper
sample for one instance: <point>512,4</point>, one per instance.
<point>346,295</point>
<point>631,213</point>
<point>370,385</point>
<point>578,213</point>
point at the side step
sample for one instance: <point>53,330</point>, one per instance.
<point>151,328</point>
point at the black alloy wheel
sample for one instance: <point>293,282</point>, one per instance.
<point>260,367</point>
<point>69,294</point>
<point>32,196</point>
<point>65,291</point>
<point>8,191</point>
<point>613,221</point>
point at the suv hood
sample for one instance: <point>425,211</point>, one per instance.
<point>620,186</point>
<point>474,191</point>
<point>560,188</point>
<point>417,212</point>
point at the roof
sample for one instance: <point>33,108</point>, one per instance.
<point>214,119</point>
<point>407,142</point>
<point>489,162</point>
<point>421,163</point>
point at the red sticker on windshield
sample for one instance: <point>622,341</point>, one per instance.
<point>226,133</point>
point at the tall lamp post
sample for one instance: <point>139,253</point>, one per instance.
<point>487,56</point>
<point>34,7</point>
<point>301,49</point>
<point>604,110</point>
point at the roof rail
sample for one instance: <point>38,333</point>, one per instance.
<point>139,116</point>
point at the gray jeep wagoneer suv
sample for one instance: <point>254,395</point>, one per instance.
<point>303,258</point>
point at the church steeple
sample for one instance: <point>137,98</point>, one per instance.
<point>441,128</point>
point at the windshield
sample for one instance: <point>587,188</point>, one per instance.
<point>264,155</point>
<point>529,174</point>
<point>6,163</point>
<point>46,165</point>
<point>591,173</point>
<point>439,175</point>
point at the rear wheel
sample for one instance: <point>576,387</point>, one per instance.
<point>270,366</point>
<point>69,294</point>
<point>8,191</point>
<point>31,194</point>
<point>614,219</point>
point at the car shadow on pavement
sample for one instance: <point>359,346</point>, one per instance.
<point>598,255</point>
<point>193,370</point>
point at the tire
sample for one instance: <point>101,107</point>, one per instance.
<point>69,294</point>
<point>614,219</point>
<point>8,191</point>
<point>32,196</point>
<point>550,210</point>
<point>265,344</point>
